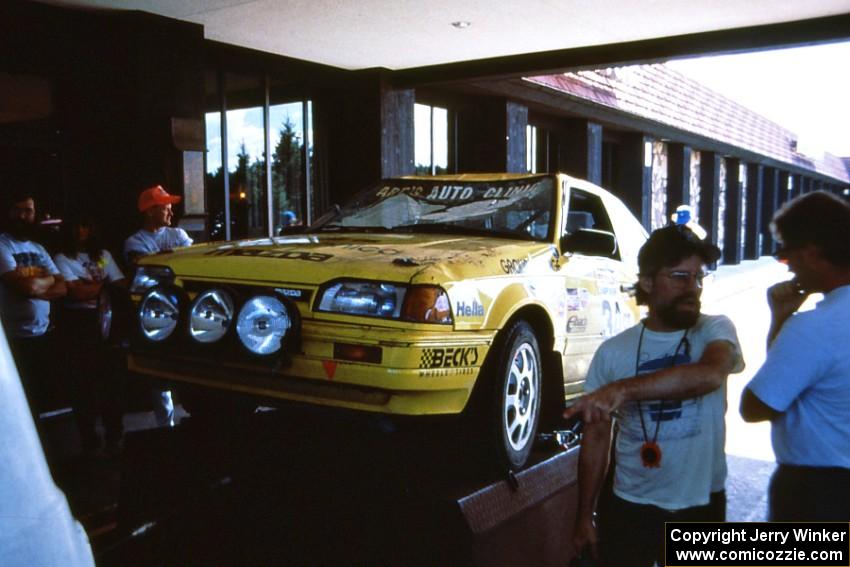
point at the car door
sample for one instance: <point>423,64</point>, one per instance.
<point>598,290</point>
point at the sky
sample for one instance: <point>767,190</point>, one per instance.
<point>804,90</point>
<point>246,125</point>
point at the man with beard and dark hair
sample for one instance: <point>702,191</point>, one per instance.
<point>28,281</point>
<point>663,381</point>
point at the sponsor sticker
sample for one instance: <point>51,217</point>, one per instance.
<point>388,191</point>
<point>573,301</point>
<point>464,309</point>
<point>451,357</point>
<point>576,324</point>
<point>280,254</point>
<point>294,294</point>
<point>513,266</point>
<point>367,249</point>
<point>450,193</point>
<point>508,192</point>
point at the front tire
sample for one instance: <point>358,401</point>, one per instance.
<point>515,396</point>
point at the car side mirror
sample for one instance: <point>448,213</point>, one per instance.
<point>590,242</point>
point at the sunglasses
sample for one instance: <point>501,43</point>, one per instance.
<point>782,252</point>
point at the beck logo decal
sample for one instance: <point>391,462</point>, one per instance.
<point>451,357</point>
<point>463,309</point>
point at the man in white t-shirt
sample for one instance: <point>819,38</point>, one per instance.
<point>28,281</point>
<point>156,235</point>
<point>663,381</point>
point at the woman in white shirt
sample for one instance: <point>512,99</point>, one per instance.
<point>95,380</point>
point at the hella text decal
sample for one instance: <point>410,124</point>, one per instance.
<point>474,309</point>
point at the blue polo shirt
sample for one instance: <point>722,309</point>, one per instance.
<point>806,378</point>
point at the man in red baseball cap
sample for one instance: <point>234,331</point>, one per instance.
<point>156,235</point>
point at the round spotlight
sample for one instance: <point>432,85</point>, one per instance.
<point>210,316</point>
<point>262,324</point>
<point>159,312</point>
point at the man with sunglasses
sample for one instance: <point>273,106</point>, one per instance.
<point>664,382</point>
<point>803,388</point>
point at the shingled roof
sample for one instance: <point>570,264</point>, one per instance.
<point>657,92</point>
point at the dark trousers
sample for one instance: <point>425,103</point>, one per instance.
<point>809,494</point>
<point>632,535</point>
<point>32,357</point>
<point>95,376</point>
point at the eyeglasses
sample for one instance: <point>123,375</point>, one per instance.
<point>781,253</point>
<point>682,278</point>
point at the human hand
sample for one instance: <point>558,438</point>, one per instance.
<point>31,271</point>
<point>585,538</point>
<point>596,406</point>
<point>785,298</point>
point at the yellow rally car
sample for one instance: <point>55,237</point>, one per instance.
<point>477,294</point>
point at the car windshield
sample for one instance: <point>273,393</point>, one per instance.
<point>519,208</point>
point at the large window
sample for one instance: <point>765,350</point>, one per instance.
<point>431,131</point>
<point>288,124</point>
<point>246,121</point>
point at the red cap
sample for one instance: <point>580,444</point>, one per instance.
<point>154,196</point>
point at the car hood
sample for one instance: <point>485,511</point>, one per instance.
<point>317,258</point>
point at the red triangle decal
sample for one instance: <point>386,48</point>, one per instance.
<point>330,368</point>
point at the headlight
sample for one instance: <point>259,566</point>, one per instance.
<point>147,277</point>
<point>427,304</point>
<point>210,316</point>
<point>372,299</point>
<point>262,324</point>
<point>159,312</point>
<point>416,303</point>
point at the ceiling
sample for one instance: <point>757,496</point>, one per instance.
<point>406,34</point>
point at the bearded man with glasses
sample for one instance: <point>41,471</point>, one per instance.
<point>663,382</point>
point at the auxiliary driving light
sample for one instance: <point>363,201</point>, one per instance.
<point>210,316</point>
<point>263,324</point>
<point>159,312</point>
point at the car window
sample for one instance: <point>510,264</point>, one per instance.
<point>519,208</point>
<point>586,210</point>
<point>630,233</point>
